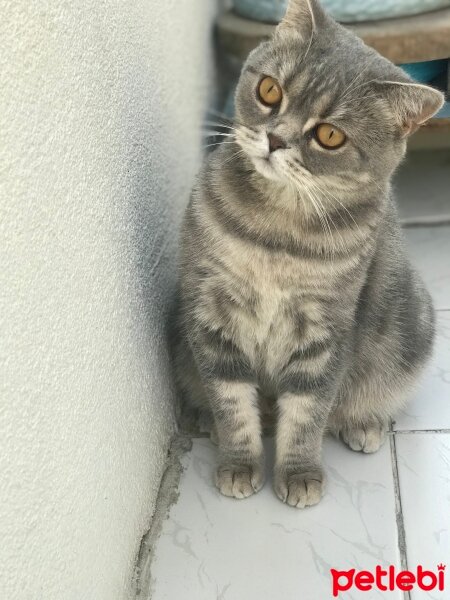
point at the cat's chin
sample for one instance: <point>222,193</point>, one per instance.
<point>266,168</point>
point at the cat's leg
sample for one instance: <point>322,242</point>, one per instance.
<point>393,349</point>
<point>299,477</point>
<point>192,408</point>
<point>234,405</point>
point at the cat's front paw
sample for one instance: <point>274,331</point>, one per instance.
<point>239,481</point>
<point>366,439</point>
<point>299,489</point>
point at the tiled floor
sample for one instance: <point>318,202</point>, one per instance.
<point>390,508</point>
<point>424,472</point>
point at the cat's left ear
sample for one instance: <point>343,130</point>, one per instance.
<point>412,104</point>
<point>302,16</point>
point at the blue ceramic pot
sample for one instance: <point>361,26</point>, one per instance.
<point>346,11</point>
<point>424,72</point>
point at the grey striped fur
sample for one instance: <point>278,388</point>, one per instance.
<point>296,296</point>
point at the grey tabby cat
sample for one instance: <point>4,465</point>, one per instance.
<point>296,295</point>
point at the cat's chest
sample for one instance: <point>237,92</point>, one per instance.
<point>283,322</point>
<point>271,317</point>
<point>282,311</point>
<point>275,279</point>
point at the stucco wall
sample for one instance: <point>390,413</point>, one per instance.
<point>101,104</point>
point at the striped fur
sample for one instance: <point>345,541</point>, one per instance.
<point>296,296</point>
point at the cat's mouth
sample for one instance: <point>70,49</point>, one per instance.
<point>255,145</point>
<point>267,167</point>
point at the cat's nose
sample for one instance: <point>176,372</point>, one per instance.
<point>275,142</point>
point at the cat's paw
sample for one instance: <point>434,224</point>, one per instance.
<point>299,489</point>
<point>239,481</point>
<point>366,439</point>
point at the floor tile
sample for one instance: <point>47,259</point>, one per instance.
<point>422,184</point>
<point>424,474</point>
<point>429,406</point>
<point>213,547</point>
<point>429,248</point>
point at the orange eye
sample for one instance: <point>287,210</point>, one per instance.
<point>329,136</point>
<point>269,91</point>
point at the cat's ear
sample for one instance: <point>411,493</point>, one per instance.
<point>303,16</point>
<point>412,104</point>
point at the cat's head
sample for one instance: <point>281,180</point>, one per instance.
<point>315,104</point>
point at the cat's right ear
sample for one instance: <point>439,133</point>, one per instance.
<point>302,16</point>
<point>410,103</point>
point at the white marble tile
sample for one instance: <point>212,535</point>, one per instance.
<point>424,474</point>
<point>214,547</point>
<point>429,406</point>
<point>429,249</point>
<point>422,184</point>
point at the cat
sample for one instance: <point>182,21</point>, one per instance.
<point>295,291</point>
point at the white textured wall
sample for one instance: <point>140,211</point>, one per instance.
<point>101,104</point>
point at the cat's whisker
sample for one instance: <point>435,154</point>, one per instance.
<point>215,133</point>
<point>350,86</point>
<point>346,104</point>
<point>359,98</point>
<point>356,88</point>
<point>214,124</point>
<point>309,44</point>
<point>315,191</point>
<point>319,191</point>
<point>330,197</point>
<point>248,133</point>
<point>230,122</point>
<point>346,210</point>
<point>318,207</point>
<point>219,127</point>
<point>217,144</point>
<point>324,215</point>
<point>325,225</point>
<point>327,194</point>
<point>219,114</point>
<point>233,156</point>
<point>333,198</point>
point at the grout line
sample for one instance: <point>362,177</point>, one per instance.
<point>202,435</point>
<point>401,535</point>
<point>430,221</point>
<point>442,310</point>
<point>415,431</point>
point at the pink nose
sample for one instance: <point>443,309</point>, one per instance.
<point>275,142</point>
